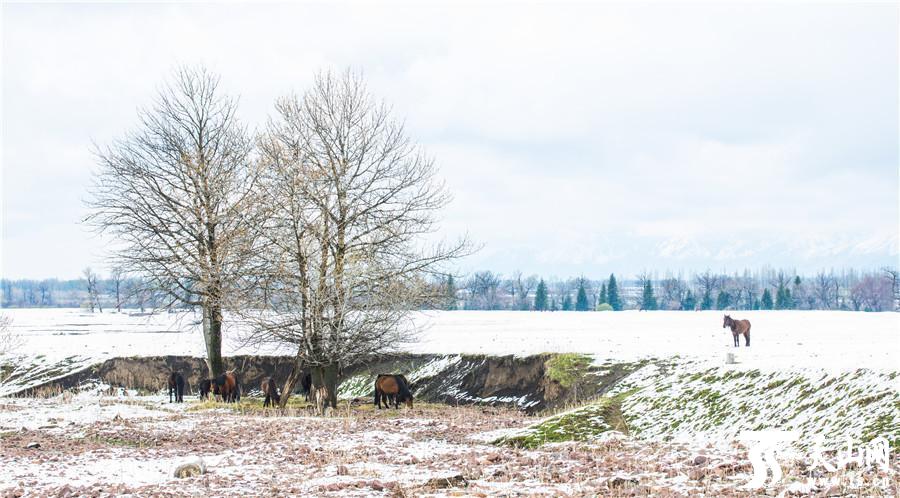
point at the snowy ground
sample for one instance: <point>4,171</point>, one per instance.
<point>92,443</point>
<point>779,339</point>
<point>119,445</point>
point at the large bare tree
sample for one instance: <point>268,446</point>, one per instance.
<point>176,194</point>
<point>351,202</point>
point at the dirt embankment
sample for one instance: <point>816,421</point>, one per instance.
<point>524,382</point>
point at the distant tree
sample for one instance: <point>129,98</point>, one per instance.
<point>483,288</point>
<point>603,295</point>
<point>44,288</point>
<point>450,293</point>
<point>893,276</point>
<point>708,282</point>
<point>707,302</point>
<point>872,293</point>
<point>673,292</point>
<point>689,302</point>
<point>723,301</point>
<point>93,292</point>
<point>783,300</point>
<point>567,303</point>
<point>765,303</point>
<point>581,301</point>
<point>117,277</point>
<point>540,297</point>
<point>612,293</point>
<point>648,300</point>
<point>825,288</point>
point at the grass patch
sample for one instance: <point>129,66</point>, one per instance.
<point>568,369</point>
<point>581,424</point>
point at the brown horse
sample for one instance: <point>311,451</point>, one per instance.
<point>176,387</point>
<point>226,385</point>
<point>738,327</point>
<point>392,388</point>
<point>270,389</point>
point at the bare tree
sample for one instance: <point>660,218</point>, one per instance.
<point>45,290</point>
<point>893,277</point>
<point>117,277</point>
<point>825,289</point>
<point>176,194</point>
<point>872,293</point>
<point>708,283</point>
<point>90,279</point>
<point>673,292</point>
<point>350,200</point>
<point>484,287</point>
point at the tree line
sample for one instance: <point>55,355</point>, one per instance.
<point>766,289</point>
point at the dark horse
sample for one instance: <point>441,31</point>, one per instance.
<point>205,388</point>
<point>738,327</point>
<point>306,384</point>
<point>271,391</point>
<point>226,385</point>
<point>176,387</point>
<point>392,388</point>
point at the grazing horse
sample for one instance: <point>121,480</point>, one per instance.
<point>226,385</point>
<point>176,387</point>
<point>392,388</point>
<point>271,391</point>
<point>306,384</point>
<point>738,327</point>
<point>205,388</point>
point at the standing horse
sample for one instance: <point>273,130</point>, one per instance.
<point>227,386</point>
<point>176,387</point>
<point>738,327</point>
<point>392,388</point>
<point>270,389</point>
<point>306,384</point>
<point>205,388</point>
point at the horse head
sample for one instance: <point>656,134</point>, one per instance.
<point>728,321</point>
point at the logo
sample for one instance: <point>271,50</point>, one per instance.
<point>762,446</point>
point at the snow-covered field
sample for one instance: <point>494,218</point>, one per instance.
<point>779,339</point>
<point>802,371</point>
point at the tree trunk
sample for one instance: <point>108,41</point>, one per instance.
<point>325,377</point>
<point>291,382</point>
<point>212,333</point>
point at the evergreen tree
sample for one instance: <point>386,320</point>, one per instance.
<point>612,294</point>
<point>648,300</point>
<point>723,301</point>
<point>603,298</point>
<point>688,303</point>
<point>567,303</point>
<point>581,302</point>
<point>451,293</point>
<point>783,299</point>
<point>540,297</point>
<point>766,302</point>
<point>706,303</point>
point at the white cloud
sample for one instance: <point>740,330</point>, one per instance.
<point>578,138</point>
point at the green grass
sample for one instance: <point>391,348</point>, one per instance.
<point>581,424</point>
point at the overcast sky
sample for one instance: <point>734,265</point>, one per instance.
<point>576,139</point>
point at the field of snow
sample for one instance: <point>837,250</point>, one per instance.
<point>832,340</point>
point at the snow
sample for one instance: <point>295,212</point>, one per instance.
<point>837,340</point>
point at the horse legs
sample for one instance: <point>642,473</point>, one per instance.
<point>747,337</point>
<point>737,341</point>
<point>377,399</point>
